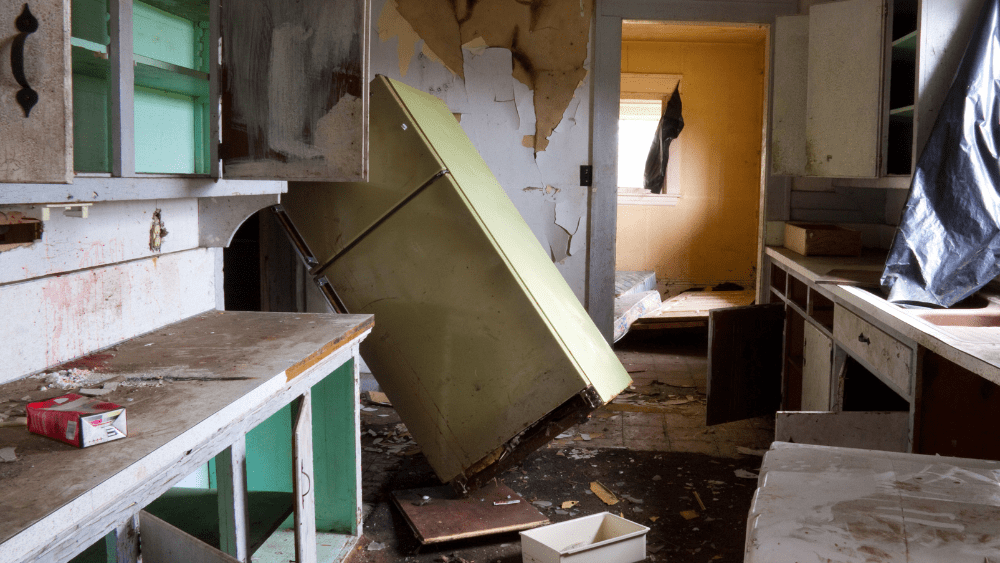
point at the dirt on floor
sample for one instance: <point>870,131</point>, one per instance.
<point>695,505</point>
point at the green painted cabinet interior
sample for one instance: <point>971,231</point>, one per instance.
<point>478,341</point>
<point>171,96</point>
<point>269,474</point>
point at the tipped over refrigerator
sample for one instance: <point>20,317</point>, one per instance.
<point>482,347</point>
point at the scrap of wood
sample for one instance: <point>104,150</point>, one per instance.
<point>570,504</point>
<point>689,514</point>
<point>603,493</point>
<point>379,398</point>
<point>697,497</point>
<point>695,305</point>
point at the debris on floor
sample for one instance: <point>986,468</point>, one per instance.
<point>8,455</point>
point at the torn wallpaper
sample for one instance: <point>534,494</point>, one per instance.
<point>670,126</point>
<point>947,245</point>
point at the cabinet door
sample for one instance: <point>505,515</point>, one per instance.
<point>744,362</point>
<point>817,359</point>
<point>294,88</point>
<point>37,147</point>
<point>788,116</point>
<point>845,80</point>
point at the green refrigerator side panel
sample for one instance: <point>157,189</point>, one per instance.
<point>458,346</point>
<point>330,216</point>
<point>513,239</point>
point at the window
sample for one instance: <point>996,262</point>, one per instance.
<point>643,99</point>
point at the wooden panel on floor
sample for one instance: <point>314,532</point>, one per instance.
<point>437,514</point>
<point>696,305</point>
<point>886,431</point>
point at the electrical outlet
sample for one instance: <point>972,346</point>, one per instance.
<point>586,175</point>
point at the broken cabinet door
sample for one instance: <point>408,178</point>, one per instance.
<point>294,82</point>
<point>744,362</point>
<point>35,49</point>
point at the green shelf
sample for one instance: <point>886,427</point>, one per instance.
<point>90,63</point>
<point>907,42</point>
<point>902,112</point>
<point>194,10</point>
<point>158,75</point>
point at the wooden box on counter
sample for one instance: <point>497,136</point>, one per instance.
<point>816,239</point>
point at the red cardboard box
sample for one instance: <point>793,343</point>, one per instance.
<point>77,420</point>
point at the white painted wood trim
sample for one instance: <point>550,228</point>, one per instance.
<point>214,100</point>
<point>304,482</point>
<point>604,142</point>
<point>886,431</point>
<point>648,199</point>
<point>231,473</point>
<point>71,529</point>
<point>95,189</point>
<point>126,546</point>
<point>356,406</point>
<point>122,89</point>
<point>730,11</point>
<point>220,217</point>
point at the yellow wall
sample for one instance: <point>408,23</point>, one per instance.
<point>711,235</point>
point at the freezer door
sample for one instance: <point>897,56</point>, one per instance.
<point>330,216</point>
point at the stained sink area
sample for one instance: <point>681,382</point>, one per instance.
<point>975,319</point>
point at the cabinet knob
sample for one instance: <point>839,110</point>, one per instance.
<point>26,24</point>
<point>864,340</point>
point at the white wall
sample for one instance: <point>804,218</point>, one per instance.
<point>497,112</point>
<point>92,282</point>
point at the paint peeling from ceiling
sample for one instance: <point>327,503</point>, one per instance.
<point>548,42</point>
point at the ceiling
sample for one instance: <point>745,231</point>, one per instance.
<point>633,30</point>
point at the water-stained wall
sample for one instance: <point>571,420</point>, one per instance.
<point>517,77</point>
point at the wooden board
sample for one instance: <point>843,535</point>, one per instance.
<point>443,516</point>
<point>163,543</point>
<point>57,499</point>
<point>696,306</point>
<point>38,148</point>
<point>294,90</point>
<point>859,278</point>
<point>885,431</point>
<point>744,362</point>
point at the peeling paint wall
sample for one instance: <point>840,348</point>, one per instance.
<point>489,90</point>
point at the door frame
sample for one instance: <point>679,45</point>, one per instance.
<point>606,53</point>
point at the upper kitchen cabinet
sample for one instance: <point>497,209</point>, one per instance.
<point>294,90</point>
<point>35,97</point>
<point>828,77</point>
<point>858,84</point>
<point>136,88</point>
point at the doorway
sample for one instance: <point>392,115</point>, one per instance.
<point>607,91</point>
<point>701,230</point>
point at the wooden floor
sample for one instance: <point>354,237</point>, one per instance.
<point>693,307</point>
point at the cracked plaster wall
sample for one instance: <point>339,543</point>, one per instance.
<point>498,113</point>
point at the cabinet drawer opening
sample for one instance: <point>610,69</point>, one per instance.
<point>863,391</point>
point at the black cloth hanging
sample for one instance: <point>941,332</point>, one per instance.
<point>667,130</point>
<point>947,245</point>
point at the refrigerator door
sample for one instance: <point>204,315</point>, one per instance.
<point>481,345</point>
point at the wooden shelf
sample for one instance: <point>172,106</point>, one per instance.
<point>151,73</point>
<point>905,111</point>
<point>90,63</point>
<point>907,43</point>
<point>194,10</point>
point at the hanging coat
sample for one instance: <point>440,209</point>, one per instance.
<point>948,241</point>
<point>667,130</point>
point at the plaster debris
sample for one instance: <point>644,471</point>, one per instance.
<point>581,453</point>
<point>744,474</point>
<point>376,546</point>
<point>748,451</point>
<point>7,455</point>
<point>541,503</point>
<point>94,392</point>
<point>66,378</point>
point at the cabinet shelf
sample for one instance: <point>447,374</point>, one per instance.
<point>90,63</point>
<point>194,10</point>
<point>907,43</point>
<point>151,73</point>
<point>902,112</point>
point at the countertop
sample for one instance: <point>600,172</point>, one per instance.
<point>974,348</point>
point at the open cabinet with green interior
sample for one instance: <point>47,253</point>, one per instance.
<point>245,89</point>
